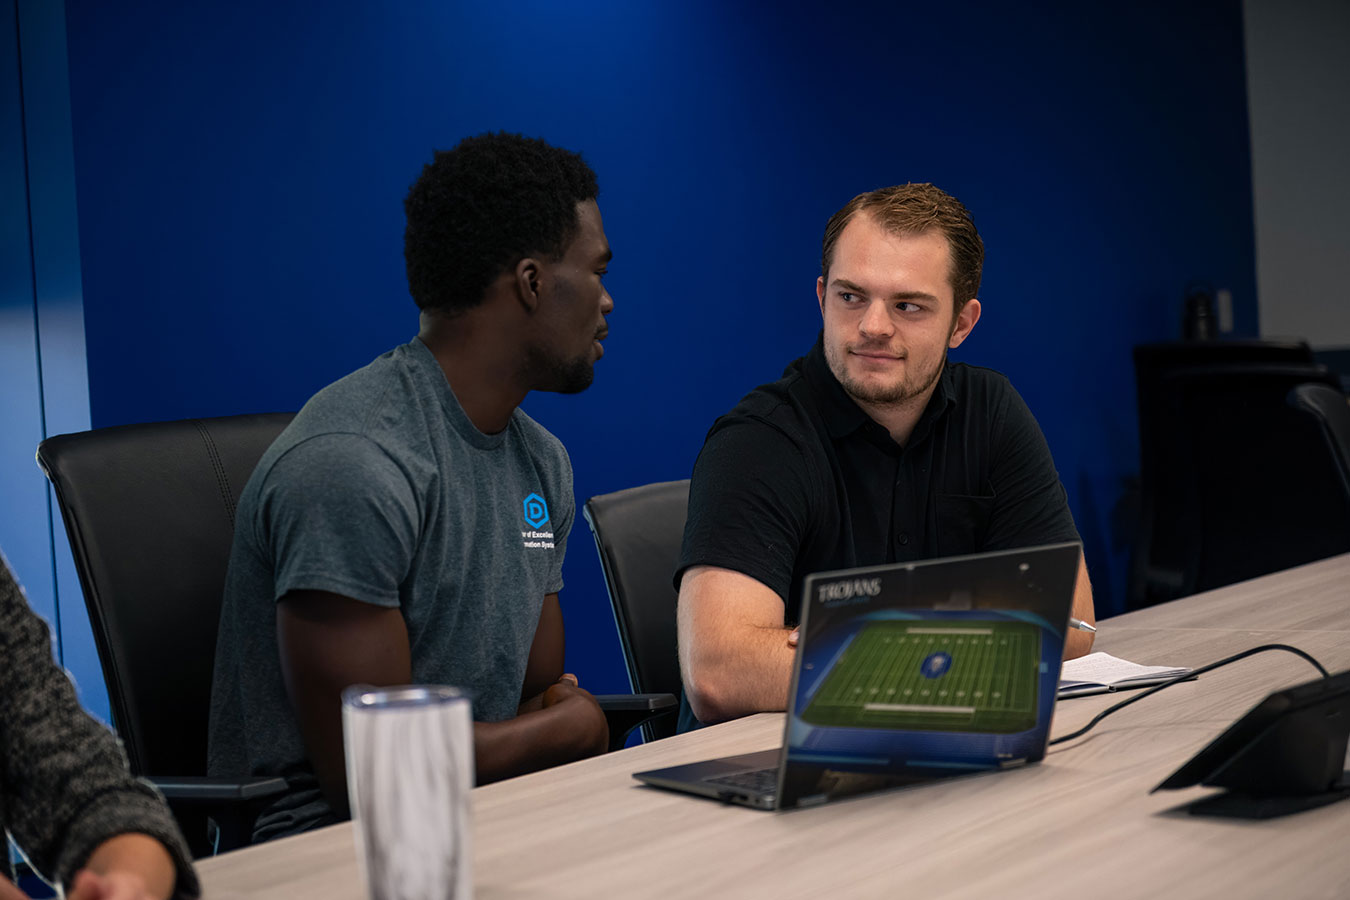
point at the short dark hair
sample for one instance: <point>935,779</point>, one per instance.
<point>480,208</point>
<point>914,209</point>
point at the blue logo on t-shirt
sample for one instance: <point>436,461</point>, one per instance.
<point>536,511</point>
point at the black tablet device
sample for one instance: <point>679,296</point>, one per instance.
<point>1293,743</point>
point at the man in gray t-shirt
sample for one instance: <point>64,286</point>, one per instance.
<point>410,524</point>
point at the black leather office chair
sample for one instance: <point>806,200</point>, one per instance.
<point>149,510</point>
<point>1238,482</point>
<point>150,514</point>
<point>637,534</point>
<point>1329,409</point>
<point>1156,571</point>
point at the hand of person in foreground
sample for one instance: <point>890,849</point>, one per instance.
<point>9,892</point>
<point>125,867</point>
<point>112,886</point>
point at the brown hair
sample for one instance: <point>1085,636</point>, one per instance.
<point>915,209</point>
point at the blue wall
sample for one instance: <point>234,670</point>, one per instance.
<point>44,388</point>
<point>240,172</point>
<point>25,535</point>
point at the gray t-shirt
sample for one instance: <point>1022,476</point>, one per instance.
<point>382,490</point>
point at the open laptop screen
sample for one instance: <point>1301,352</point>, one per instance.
<point>912,670</point>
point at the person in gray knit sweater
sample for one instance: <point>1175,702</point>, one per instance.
<point>66,796</point>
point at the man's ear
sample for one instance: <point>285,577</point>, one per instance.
<point>965,322</point>
<point>820,294</point>
<point>526,278</point>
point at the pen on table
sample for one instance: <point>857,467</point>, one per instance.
<point>1081,625</point>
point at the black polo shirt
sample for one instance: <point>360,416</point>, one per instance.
<point>798,479</point>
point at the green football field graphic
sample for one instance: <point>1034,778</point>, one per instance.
<point>989,682</point>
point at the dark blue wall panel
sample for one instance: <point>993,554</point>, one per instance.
<point>44,387</point>
<point>24,534</point>
<point>241,169</point>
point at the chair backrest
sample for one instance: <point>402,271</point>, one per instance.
<point>1157,569</point>
<point>149,510</point>
<point>1155,363</point>
<point>638,534</point>
<point>1329,408</point>
<point>1241,484</point>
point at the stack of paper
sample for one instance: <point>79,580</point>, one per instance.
<point>1098,673</point>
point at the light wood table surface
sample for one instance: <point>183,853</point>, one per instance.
<point>1080,824</point>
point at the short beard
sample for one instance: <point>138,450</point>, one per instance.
<point>888,394</point>
<point>557,375</point>
<point>883,395</point>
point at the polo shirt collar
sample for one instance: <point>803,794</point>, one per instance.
<point>944,397</point>
<point>842,415</point>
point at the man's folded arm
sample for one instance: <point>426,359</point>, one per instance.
<point>544,667</point>
<point>574,726</point>
<point>329,642</point>
<point>735,658</point>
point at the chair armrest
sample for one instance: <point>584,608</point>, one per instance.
<point>646,702</point>
<point>624,712</point>
<point>187,789</point>
<point>231,803</point>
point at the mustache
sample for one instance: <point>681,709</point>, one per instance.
<point>883,348</point>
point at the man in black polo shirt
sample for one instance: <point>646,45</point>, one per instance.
<point>870,449</point>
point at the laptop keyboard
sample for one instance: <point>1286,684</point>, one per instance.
<point>758,781</point>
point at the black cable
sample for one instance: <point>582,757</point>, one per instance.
<point>1186,677</point>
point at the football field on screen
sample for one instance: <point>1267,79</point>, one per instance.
<point>945,675</point>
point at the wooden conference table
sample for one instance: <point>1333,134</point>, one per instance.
<point>1081,823</point>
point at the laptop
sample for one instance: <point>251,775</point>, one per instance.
<point>906,673</point>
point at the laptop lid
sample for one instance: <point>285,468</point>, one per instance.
<point>912,670</point>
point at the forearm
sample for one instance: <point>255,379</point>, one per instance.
<point>1079,643</point>
<point>738,672</point>
<point>538,739</point>
<point>735,658</point>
